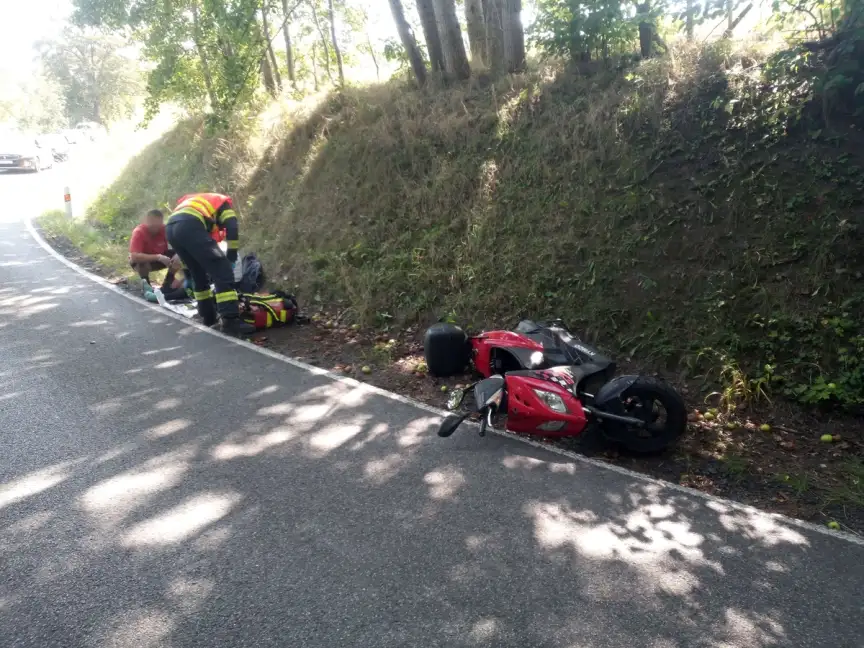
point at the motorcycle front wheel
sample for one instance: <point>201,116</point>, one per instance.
<point>661,409</point>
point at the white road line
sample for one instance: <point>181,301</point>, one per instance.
<point>318,371</point>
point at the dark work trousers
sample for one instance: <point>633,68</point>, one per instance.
<point>144,268</point>
<point>204,261</point>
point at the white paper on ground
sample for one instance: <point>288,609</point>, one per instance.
<point>186,309</point>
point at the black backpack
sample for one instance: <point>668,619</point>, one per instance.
<point>253,275</point>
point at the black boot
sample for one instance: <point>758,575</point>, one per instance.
<point>236,327</point>
<point>207,311</point>
<point>175,294</point>
<point>167,284</point>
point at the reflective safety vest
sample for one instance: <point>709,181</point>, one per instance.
<point>214,211</point>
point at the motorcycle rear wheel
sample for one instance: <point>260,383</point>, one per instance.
<point>662,409</point>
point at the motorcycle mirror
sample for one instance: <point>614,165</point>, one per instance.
<point>448,425</point>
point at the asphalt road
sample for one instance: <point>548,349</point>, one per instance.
<point>160,486</point>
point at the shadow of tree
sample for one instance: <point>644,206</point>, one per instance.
<point>158,489</point>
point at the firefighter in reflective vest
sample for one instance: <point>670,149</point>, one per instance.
<point>190,231</point>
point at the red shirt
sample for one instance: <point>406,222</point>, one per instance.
<point>144,242</point>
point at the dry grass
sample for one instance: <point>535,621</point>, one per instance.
<point>427,188</point>
<point>184,159</point>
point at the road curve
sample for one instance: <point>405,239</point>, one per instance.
<point>160,486</point>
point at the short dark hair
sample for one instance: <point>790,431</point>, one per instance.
<point>157,213</point>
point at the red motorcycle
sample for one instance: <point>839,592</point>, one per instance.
<point>547,382</point>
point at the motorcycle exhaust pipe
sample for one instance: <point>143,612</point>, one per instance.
<point>629,420</point>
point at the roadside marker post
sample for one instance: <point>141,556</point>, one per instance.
<point>67,199</point>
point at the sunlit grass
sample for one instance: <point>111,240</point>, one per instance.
<point>90,241</point>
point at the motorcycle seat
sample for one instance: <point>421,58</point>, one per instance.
<point>570,377</point>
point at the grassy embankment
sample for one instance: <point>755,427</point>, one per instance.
<point>664,211</point>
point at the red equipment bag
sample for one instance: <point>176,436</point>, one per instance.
<point>266,311</point>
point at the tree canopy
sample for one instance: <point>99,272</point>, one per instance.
<point>96,72</point>
<point>218,57</point>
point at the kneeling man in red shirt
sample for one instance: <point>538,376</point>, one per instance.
<point>148,252</point>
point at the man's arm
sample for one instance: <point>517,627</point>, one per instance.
<point>228,220</point>
<point>143,257</point>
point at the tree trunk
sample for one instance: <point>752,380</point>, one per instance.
<point>729,16</point>
<point>577,46</point>
<point>645,40</point>
<point>202,56</point>
<point>494,34</point>
<point>289,51</point>
<point>645,30</point>
<point>315,66</point>
<point>434,46</point>
<point>441,28</point>
<point>336,42</point>
<point>731,28</point>
<point>268,42</point>
<point>323,41</point>
<point>513,35</point>
<point>374,58</point>
<point>689,19</point>
<point>476,31</point>
<point>94,87</point>
<point>267,75</point>
<point>455,57</point>
<point>408,41</point>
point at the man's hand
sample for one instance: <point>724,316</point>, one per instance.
<point>176,263</point>
<point>164,260</point>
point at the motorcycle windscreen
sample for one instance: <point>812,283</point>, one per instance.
<point>488,392</point>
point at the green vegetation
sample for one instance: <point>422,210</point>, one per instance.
<point>34,103</point>
<point>693,207</point>
<point>105,251</point>
<point>82,74</point>
<point>184,159</point>
<point>99,80</point>
<point>215,58</point>
<point>691,213</point>
<point>850,490</point>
